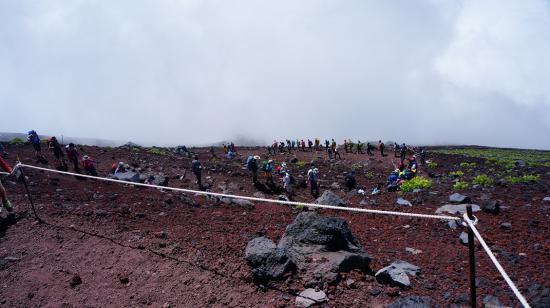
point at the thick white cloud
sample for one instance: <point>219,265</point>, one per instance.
<point>198,71</point>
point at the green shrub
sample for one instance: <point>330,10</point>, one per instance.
<point>16,141</point>
<point>467,165</point>
<point>157,151</point>
<point>301,164</point>
<point>482,180</point>
<point>460,185</point>
<point>135,149</point>
<point>369,175</point>
<point>432,165</point>
<point>356,166</point>
<point>416,183</point>
<point>528,178</point>
<point>108,148</point>
<point>300,207</point>
<point>457,173</point>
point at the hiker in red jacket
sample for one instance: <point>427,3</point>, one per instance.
<point>88,164</point>
<point>3,195</point>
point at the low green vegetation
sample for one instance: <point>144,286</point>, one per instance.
<point>301,164</point>
<point>503,157</point>
<point>16,141</point>
<point>460,185</point>
<point>467,165</point>
<point>528,178</point>
<point>457,173</point>
<point>432,165</point>
<point>483,180</point>
<point>300,207</point>
<point>157,151</point>
<point>416,183</point>
<point>108,148</point>
<point>369,175</point>
<point>356,166</point>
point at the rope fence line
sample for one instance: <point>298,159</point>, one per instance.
<point>469,223</point>
<point>206,193</point>
<point>499,267</point>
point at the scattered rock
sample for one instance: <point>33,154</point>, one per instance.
<point>310,297</point>
<point>12,259</point>
<point>458,198</point>
<point>412,301</point>
<point>350,283</point>
<point>413,251</point>
<point>124,279</point>
<point>100,213</point>
<point>375,291</point>
<point>162,235</point>
<point>75,281</point>
<point>546,199</point>
<point>335,186</point>
<point>453,224</point>
<point>491,206</point>
<point>456,209</point>
<point>506,226</point>
<point>403,202</point>
<point>259,194</point>
<point>490,301</point>
<point>539,296</point>
<point>244,203</point>
<point>283,198</point>
<point>464,238</point>
<point>266,260</point>
<point>396,274</point>
<point>330,198</point>
<point>128,176</point>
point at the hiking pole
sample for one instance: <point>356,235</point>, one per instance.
<point>29,195</point>
<point>472,258</point>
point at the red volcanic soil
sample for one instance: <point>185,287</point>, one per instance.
<point>111,245</point>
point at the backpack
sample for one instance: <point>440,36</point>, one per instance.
<point>292,180</point>
<point>264,166</point>
<point>249,162</point>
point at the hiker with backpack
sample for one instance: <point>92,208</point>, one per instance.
<point>252,166</point>
<point>327,144</point>
<point>329,152</point>
<point>337,154</point>
<point>5,167</point>
<point>196,167</point>
<point>422,157</point>
<point>303,145</point>
<point>369,149</point>
<point>267,168</point>
<point>312,177</point>
<point>88,164</point>
<point>359,147</point>
<point>395,149</point>
<point>55,147</point>
<point>34,140</point>
<point>288,185</point>
<point>381,147</point>
<point>3,152</point>
<point>403,152</point>
<point>310,145</point>
<point>72,155</point>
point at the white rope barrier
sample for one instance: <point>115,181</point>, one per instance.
<point>206,193</point>
<point>499,267</point>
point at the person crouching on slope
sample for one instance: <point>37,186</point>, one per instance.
<point>88,164</point>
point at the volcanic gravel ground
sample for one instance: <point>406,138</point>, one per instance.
<point>107,244</point>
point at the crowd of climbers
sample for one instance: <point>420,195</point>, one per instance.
<point>266,174</point>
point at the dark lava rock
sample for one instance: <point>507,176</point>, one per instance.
<point>396,274</point>
<point>266,260</point>
<point>491,206</point>
<point>100,213</point>
<point>464,238</point>
<point>375,291</point>
<point>458,198</point>
<point>539,296</point>
<point>75,281</point>
<point>456,209</point>
<point>330,198</point>
<point>412,301</point>
<point>128,176</point>
<point>490,301</point>
<point>321,246</point>
<point>506,226</point>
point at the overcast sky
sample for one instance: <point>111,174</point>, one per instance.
<point>199,71</point>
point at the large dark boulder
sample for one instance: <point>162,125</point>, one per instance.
<point>331,233</point>
<point>330,198</point>
<point>267,262</point>
<point>490,206</point>
<point>128,176</point>
<point>320,247</point>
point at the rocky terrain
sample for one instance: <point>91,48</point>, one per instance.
<point>113,245</point>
